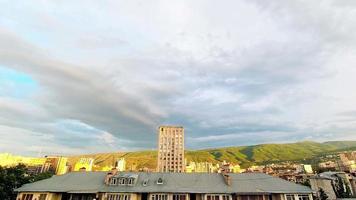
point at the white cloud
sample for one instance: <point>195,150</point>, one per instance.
<point>232,69</point>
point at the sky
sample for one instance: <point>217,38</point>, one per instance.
<point>88,76</point>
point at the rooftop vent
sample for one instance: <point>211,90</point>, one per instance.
<point>159,181</point>
<point>145,182</point>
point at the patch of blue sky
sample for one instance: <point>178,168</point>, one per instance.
<point>16,84</point>
<point>76,133</point>
<point>76,126</point>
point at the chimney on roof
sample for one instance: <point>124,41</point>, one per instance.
<point>110,174</point>
<point>227,178</point>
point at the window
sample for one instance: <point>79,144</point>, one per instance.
<point>252,197</point>
<point>119,197</point>
<point>27,196</point>
<point>303,197</point>
<point>289,196</point>
<point>121,181</point>
<point>82,196</point>
<point>159,197</point>
<point>130,181</point>
<point>179,196</point>
<point>225,197</point>
<point>113,181</point>
<point>42,197</point>
<point>212,197</point>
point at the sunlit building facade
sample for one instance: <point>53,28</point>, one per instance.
<point>170,149</point>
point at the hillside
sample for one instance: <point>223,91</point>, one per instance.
<point>244,155</point>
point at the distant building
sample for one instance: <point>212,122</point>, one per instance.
<point>121,165</point>
<point>329,181</point>
<point>8,160</point>
<point>328,166</point>
<point>163,186</point>
<point>347,162</point>
<point>84,164</point>
<point>305,169</point>
<point>62,166</point>
<point>201,167</point>
<point>325,184</point>
<point>55,164</point>
<point>170,149</point>
<point>229,168</point>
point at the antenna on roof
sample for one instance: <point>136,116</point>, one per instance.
<point>40,152</point>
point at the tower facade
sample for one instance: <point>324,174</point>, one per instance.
<point>170,149</point>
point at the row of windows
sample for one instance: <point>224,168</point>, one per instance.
<point>159,197</point>
<point>27,197</point>
<point>297,197</point>
<point>121,181</point>
<point>82,196</point>
<point>169,154</point>
<point>30,197</point>
<point>252,197</point>
<point>165,130</point>
<point>171,158</point>
<point>119,197</point>
<point>175,196</point>
<point>165,197</point>
<point>218,197</point>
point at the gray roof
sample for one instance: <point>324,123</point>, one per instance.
<point>93,182</point>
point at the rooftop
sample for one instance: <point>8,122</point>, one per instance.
<point>93,182</point>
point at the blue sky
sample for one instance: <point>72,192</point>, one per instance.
<point>82,77</point>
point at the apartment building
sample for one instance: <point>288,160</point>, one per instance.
<point>170,149</point>
<point>116,185</point>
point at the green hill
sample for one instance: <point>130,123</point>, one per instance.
<point>243,155</point>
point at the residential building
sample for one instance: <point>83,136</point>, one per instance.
<point>33,164</point>
<point>328,166</point>
<point>56,164</point>
<point>170,149</point>
<point>62,165</point>
<point>84,164</point>
<point>347,162</point>
<point>121,164</point>
<point>116,185</point>
<point>329,181</point>
<point>201,167</point>
<point>323,183</point>
<point>229,167</point>
<point>304,169</point>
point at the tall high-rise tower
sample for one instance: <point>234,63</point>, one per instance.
<point>170,149</point>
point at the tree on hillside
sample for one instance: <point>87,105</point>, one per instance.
<point>322,194</point>
<point>14,177</point>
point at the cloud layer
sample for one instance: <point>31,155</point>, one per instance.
<point>87,77</point>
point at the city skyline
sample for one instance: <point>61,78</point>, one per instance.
<point>91,77</point>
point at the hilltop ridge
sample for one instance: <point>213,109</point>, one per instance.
<point>243,155</point>
<point>305,151</point>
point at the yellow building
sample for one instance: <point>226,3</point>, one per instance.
<point>8,160</point>
<point>62,166</point>
<point>106,168</point>
<point>84,164</point>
